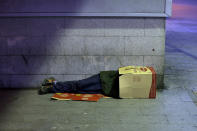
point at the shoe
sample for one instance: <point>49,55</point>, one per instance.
<point>45,89</point>
<point>48,81</point>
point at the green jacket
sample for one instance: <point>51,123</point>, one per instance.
<point>110,83</point>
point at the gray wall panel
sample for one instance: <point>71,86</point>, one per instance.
<point>82,6</point>
<point>70,48</point>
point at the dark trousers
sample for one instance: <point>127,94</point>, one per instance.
<point>89,85</point>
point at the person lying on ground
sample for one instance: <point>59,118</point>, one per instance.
<point>106,83</point>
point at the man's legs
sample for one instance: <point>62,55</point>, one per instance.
<point>89,85</point>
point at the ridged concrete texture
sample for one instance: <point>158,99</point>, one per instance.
<point>32,48</point>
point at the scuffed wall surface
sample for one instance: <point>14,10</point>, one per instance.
<point>71,48</point>
<point>81,6</point>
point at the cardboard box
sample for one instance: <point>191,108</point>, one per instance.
<point>137,82</point>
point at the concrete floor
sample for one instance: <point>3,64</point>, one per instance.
<point>24,110</point>
<point>174,109</point>
<point>181,46</point>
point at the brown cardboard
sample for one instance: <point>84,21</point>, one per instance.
<point>137,82</point>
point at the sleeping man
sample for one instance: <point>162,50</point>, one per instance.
<point>127,82</point>
<point>106,83</point>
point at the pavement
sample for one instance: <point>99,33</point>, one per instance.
<point>181,47</point>
<point>174,109</point>
<point>24,110</point>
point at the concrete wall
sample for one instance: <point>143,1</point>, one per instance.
<point>70,48</point>
<point>82,6</point>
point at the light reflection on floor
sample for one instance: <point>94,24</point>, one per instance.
<point>184,16</point>
<point>181,44</point>
<point>185,11</point>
